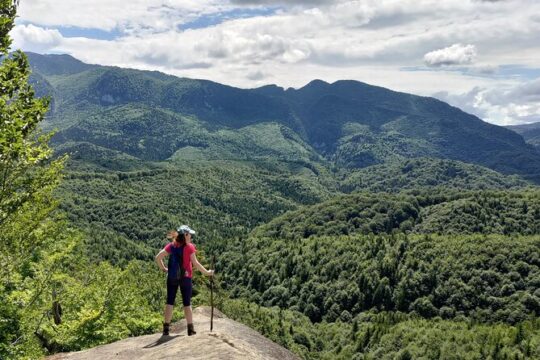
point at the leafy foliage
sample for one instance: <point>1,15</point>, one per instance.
<point>326,278</point>
<point>419,211</point>
<point>103,304</point>
<point>221,199</point>
<point>389,335</point>
<point>32,238</point>
<point>426,173</point>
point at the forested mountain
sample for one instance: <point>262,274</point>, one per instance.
<point>338,277</point>
<point>123,201</point>
<point>426,172</point>
<point>327,262</point>
<point>390,335</point>
<point>439,210</point>
<point>246,155</point>
<point>347,123</point>
<point>158,134</point>
<point>223,200</point>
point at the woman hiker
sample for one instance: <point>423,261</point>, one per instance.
<point>181,253</point>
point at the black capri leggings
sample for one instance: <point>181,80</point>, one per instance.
<point>186,288</point>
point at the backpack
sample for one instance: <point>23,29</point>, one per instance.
<point>176,260</point>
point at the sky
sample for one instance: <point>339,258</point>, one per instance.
<point>482,56</point>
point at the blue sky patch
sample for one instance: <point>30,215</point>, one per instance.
<point>501,72</point>
<point>216,19</point>
<point>72,31</point>
<point>88,33</point>
<point>519,71</point>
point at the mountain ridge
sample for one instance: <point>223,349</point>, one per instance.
<point>349,123</point>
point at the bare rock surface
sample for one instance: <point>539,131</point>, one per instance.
<point>228,340</point>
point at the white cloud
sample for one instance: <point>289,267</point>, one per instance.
<point>133,16</point>
<point>333,33</point>
<point>506,104</point>
<point>306,3</point>
<point>35,38</point>
<point>528,92</point>
<point>456,54</point>
<point>366,40</point>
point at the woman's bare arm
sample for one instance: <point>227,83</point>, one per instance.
<point>198,265</point>
<point>159,260</point>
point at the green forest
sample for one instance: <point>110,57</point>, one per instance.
<point>429,257</point>
<point>330,278</point>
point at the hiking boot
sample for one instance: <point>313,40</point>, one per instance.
<point>166,329</point>
<point>190,330</point>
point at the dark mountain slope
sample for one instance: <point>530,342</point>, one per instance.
<point>398,125</point>
<point>530,132</point>
<point>217,104</point>
<point>156,134</point>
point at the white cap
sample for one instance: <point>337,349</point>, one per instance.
<point>184,229</point>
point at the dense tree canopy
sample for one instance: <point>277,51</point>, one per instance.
<point>326,278</point>
<point>440,210</point>
<point>389,335</point>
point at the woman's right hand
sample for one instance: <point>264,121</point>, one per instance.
<point>210,273</point>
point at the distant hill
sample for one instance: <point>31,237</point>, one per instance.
<point>135,207</point>
<point>424,173</point>
<point>158,134</point>
<point>530,132</point>
<point>443,211</point>
<point>48,65</point>
<point>347,123</point>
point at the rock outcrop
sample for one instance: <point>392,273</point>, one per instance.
<point>228,340</point>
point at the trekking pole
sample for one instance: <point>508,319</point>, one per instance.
<point>212,294</point>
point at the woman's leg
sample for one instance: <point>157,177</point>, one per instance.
<point>167,313</point>
<point>189,314</point>
<point>187,288</point>
<point>172,288</point>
